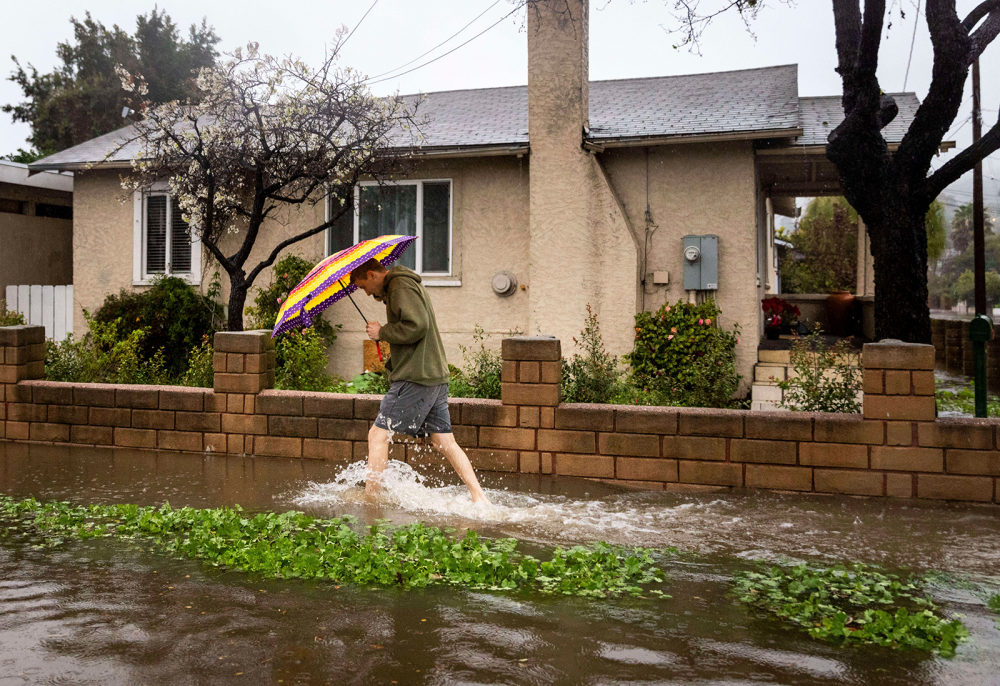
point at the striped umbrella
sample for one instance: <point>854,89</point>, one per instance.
<point>329,280</point>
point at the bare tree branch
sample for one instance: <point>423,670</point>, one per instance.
<point>955,168</point>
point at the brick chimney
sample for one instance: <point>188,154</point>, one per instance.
<point>582,251</point>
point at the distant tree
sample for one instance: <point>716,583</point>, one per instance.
<point>961,227</point>
<point>23,156</point>
<point>964,288</point>
<point>267,134</point>
<point>82,97</point>
<point>934,223</point>
<point>825,244</point>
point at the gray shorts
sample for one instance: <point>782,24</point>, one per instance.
<point>415,410</point>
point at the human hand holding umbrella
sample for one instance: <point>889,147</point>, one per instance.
<point>329,281</point>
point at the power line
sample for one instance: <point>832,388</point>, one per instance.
<point>916,22</point>
<point>421,66</point>
<point>447,40</point>
<point>358,24</point>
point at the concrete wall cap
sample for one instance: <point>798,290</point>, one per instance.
<point>893,354</point>
<point>22,334</point>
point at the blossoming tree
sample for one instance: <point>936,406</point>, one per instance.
<point>269,134</point>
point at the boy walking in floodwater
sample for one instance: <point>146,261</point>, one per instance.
<point>417,401</point>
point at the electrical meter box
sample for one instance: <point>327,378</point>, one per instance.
<point>701,263</point>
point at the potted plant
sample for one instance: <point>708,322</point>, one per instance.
<point>779,316</point>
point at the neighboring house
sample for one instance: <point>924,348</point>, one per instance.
<point>577,189</point>
<point>36,227</point>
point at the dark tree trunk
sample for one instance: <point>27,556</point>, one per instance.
<point>899,250</point>
<point>237,299</point>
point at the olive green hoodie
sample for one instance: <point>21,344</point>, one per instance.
<point>417,353</point>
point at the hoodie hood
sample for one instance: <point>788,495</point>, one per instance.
<point>401,272</point>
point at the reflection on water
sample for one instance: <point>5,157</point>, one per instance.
<point>107,612</point>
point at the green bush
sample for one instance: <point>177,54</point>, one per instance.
<point>173,315</point>
<point>594,376</point>
<point>301,362</point>
<point>682,357</point>
<point>10,317</point>
<point>287,274</point>
<point>200,371</point>
<point>374,383</point>
<point>827,378</point>
<point>105,355</point>
<point>483,366</point>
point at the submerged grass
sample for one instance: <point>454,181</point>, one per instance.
<point>852,604</point>
<point>294,545</point>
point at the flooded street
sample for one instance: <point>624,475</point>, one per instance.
<point>113,612</point>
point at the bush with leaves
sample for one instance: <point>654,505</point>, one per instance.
<point>10,317</point>
<point>373,383</point>
<point>594,376</point>
<point>287,274</point>
<point>105,355</point>
<point>679,349</point>
<point>302,361</point>
<point>828,378</point>
<point>174,316</point>
<point>483,367</point>
<point>201,370</point>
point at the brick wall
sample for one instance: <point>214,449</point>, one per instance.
<point>895,448</point>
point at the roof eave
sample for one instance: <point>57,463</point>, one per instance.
<point>673,139</point>
<point>37,168</point>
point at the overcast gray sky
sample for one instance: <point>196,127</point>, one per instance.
<point>627,39</point>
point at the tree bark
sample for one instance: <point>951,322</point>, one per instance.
<point>237,300</point>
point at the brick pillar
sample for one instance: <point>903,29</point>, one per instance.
<point>22,353</point>
<point>953,345</point>
<point>244,366</point>
<point>243,362</point>
<point>899,385</point>
<point>938,327</point>
<point>531,380</point>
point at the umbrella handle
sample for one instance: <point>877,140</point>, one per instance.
<point>379,349</point>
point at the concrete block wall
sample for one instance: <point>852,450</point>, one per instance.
<point>896,448</point>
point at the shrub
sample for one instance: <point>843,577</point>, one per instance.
<point>594,376</point>
<point>105,355</point>
<point>288,273</point>
<point>827,378</point>
<point>174,316</point>
<point>301,362</point>
<point>482,367</point>
<point>200,371</point>
<point>683,357</point>
<point>10,317</point>
<point>375,383</point>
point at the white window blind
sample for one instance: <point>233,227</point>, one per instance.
<point>163,240</point>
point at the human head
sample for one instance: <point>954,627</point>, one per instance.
<point>369,277</point>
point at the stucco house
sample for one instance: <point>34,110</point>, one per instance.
<point>576,192</point>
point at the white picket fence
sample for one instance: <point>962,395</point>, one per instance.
<point>50,306</point>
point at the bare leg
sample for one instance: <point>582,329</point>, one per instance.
<point>378,459</point>
<point>460,462</point>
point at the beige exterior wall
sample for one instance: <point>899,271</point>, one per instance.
<point>698,189</point>
<point>489,234</point>
<point>35,250</point>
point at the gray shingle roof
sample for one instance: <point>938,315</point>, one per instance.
<point>744,101</point>
<point>821,115</point>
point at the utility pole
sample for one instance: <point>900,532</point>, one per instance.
<point>981,328</point>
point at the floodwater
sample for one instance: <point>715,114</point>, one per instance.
<point>110,612</point>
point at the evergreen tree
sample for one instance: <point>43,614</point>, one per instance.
<point>82,97</point>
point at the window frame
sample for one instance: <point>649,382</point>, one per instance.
<point>140,277</point>
<point>419,243</point>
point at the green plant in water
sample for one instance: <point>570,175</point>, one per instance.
<point>828,378</point>
<point>294,545</point>
<point>851,604</point>
<point>964,400</point>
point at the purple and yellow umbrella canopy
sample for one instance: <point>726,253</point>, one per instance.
<point>328,282</point>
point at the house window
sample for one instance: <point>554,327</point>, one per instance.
<point>163,241</point>
<point>43,209</point>
<point>412,208</point>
